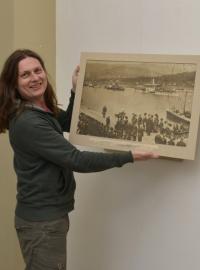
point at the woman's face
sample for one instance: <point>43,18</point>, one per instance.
<point>32,79</point>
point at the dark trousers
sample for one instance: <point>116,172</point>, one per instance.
<point>43,244</point>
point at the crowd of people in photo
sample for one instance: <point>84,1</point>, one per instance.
<point>134,128</point>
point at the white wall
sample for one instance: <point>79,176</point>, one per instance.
<point>146,215</point>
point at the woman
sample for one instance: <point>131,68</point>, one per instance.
<point>44,160</point>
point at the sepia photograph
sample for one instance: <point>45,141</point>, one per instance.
<point>126,101</point>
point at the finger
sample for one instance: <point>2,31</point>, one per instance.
<point>155,155</point>
<point>77,69</point>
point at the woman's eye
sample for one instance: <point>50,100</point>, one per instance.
<point>24,75</point>
<point>38,71</point>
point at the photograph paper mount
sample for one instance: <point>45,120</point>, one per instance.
<point>138,101</point>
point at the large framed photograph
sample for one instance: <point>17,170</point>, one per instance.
<point>145,101</point>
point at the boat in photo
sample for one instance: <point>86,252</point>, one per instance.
<point>151,87</point>
<point>183,117</point>
<point>178,117</point>
<point>114,86</point>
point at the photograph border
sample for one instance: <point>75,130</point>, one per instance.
<point>187,152</point>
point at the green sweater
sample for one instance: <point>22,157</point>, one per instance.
<point>44,163</point>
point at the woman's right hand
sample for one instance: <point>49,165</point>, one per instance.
<point>75,78</point>
<point>139,155</point>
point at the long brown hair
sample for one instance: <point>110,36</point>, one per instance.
<point>8,88</point>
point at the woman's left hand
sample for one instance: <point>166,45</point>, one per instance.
<point>75,78</point>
